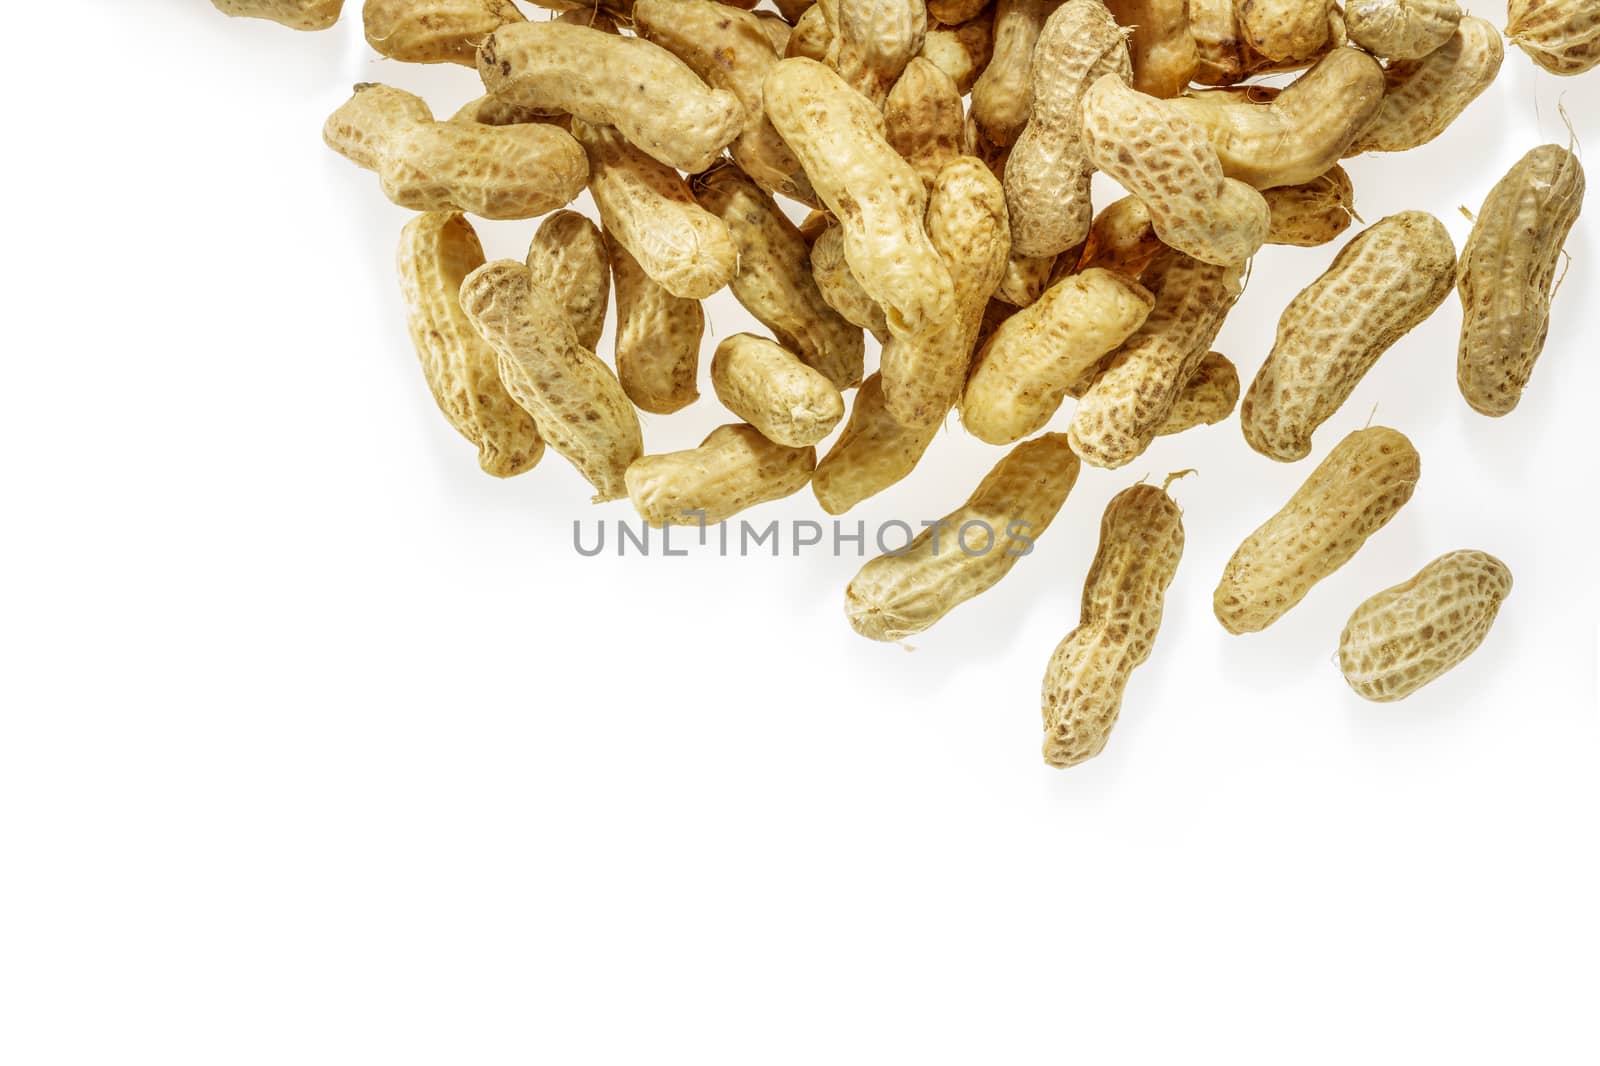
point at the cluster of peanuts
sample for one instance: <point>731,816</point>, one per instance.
<point>961,235</point>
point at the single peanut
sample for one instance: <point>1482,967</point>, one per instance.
<point>1026,278</point>
<point>734,468</point>
<point>872,453</point>
<point>812,37</point>
<point>1285,30</point>
<point>657,350</point>
<point>778,31</point>
<point>1425,95</point>
<point>1401,29</point>
<point>1562,36</point>
<point>924,119</point>
<point>963,51</point>
<point>438,31</point>
<point>295,14</point>
<point>1208,397</point>
<point>1122,238</point>
<point>1313,213</point>
<point>766,385</point>
<point>876,39</point>
<point>1163,52</point>
<point>1003,94</point>
<point>839,286</point>
<point>568,259</point>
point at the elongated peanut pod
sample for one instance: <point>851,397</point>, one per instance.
<point>595,76</point>
<point>439,31</point>
<point>1562,36</point>
<point>923,376</point>
<point>649,210</point>
<point>924,120</point>
<point>295,14</point>
<point>568,259</point>
<point>1027,366</point>
<point>1141,543</point>
<point>658,338</point>
<point>1351,495</point>
<point>1414,633</point>
<point>1003,94</point>
<point>775,281</point>
<point>574,399</point>
<point>877,38</point>
<point>734,468</point>
<point>1381,286</point>
<point>872,453</point>
<point>767,386</point>
<point>1425,96</point>
<point>839,287</point>
<point>1164,57</point>
<point>437,252</point>
<point>497,172</point>
<point>876,195</point>
<point>1401,29</point>
<point>968,551</point>
<point>1507,270</point>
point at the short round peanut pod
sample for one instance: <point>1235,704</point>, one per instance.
<point>963,51</point>
<point>1313,213</point>
<point>295,14</point>
<point>767,386</point>
<point>1562,36</point>
<point>734,468</point>
<point>1401,29</point>
<point>438,31</point>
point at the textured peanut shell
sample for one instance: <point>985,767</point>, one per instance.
<point>1419,630</point>
<point>496,172</point>
<point>839,287</point>
<point>733,469</point>
<point>1313,213</point>
<point>895,596</point>
<point>1401,29</point>
<point>1285,30</point>
<point>1003,93</point>
<point>1391,277</point>
<point>1047,174</point>
<point>812,37</point>
<point>1126,407</point>
<point>1163,52</point>
<point>1208,397</point>
<point>649,210</point>
<point>777,29</point>
<point>766,385</point>
<point>924,119</point>
<point>1351,495</point>
<point>295,14</point>
<point>650,96</point>
<point>1507,270</point>
<point>963,51</point>
<point>1425,96</point>
<point>437,252</point>
<point>731,50</point>
<point>489,110</point>
<point>1026,278</point>
<point>1164,158</point>
<point>434,31</point>
<point>1562,36</point>
<point>568,259</point>
<point>922,376</point>
<point>1122,238</point>
<point>876,196</point>
<point>775,283</point>
<point>1027,366</point>
<point>1141,543</point>
<point>1301,132</point>
<point>657,349</point>
<point>873,452</point>
<point>876,39</point>
<point>574,399</point>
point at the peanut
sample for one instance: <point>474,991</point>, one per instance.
<point>649,210</point>
<point>922,376</point>
<point>1121,239</point>
<point>576,402</point>
<point>1562,36</point>
<point>1355,491</point>
<point>1026,367</point>
<point>775,283</point>
<point>568,259</point>
<point>504,172</point>
<point>1391,277</point>
<point>1003,94</point>
<point>490,110</point>
<point>1414,633</point>
<point>764,384</point>
<point>1141,543</point>
<point>812,37</point>
<point>1047,174</point>
<point>1163,52</point>
<point>923,119</point>
<point>295,14</point>
<point>1026,278</point>
<point>658,337</point>
<point>650,96</point>
<point>955,12</point>
<point>778,31</point>
<point>896,595</point>
<point>1313,213</point>
<point>734,468</point>
<point>1162,157</point>
<point>1208,397</point>
<point>877,197</point>
<point>438,31</point>
<point>872,453</point>
<point>839,287</point>
<point>962,51</point>
<point>1401,29</point>
<point>1425,95</point>
<point>877,38</point>
<point>1127,405</point>
<point>1285,30</point>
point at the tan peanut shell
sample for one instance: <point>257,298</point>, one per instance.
<point>568,259</point>
<point>1401,29</point>
<point>295,14</point>
<point>812,37</point>
<point>1351,495</point>
<point>775,283</point>
<point>1313,213</point>
<point>1141,543</point>
<point>1163,52</point>
<point>1222,55</point>
<point>734,468</point>
<point>766,385</point>
<point>730,49</point>
<point>1122,239</point>
<point>1507,270</point>
<point>877,196</point>
<point>503,172</point>
<point>1047,174</point>
<point>897,595</point>
<point>437,252</point>
<point>1133,397</point>
<point>1301,132</point>
<point>777,29</point>
<point>489,110</point>
<point>1425,96</point>
<point>1003,93</point>
<point>1208,397</point>
<point>963,51</point>
<point>1562,36</point>
<point>876,39</point>
<point>923,376</point>
<point>434,31</point>
<point>955,12</point>
<point>1026,278</point>
<point>574,398</point>
<point>924,119</point>
<point>1391,277</point>
<point>1165,159</point>
<point>839,287</point>
<point>872,453</point>
<point>1285,30</point>
<point>657,351</point>
<point>1027,366</point>
<point>650,96</point>
<point>1419,630</point>
<point>649,210</point>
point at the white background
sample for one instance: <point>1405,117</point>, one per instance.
<point>320,746</point>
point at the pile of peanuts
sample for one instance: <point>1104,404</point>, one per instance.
<point>961,235</point>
